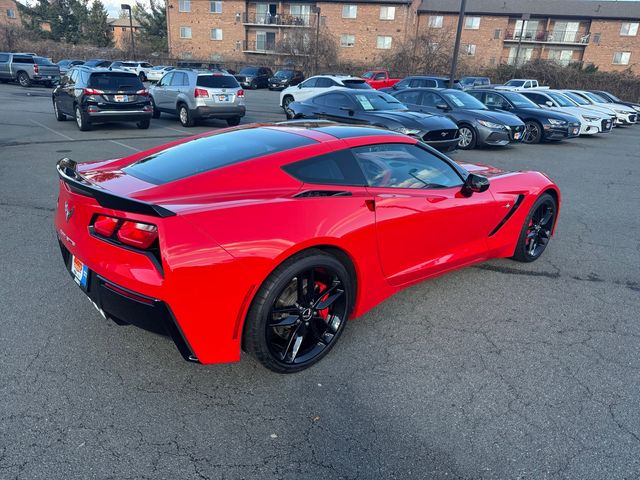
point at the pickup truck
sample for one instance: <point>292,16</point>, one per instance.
<point>379,79</point>
<point>27,69</point>
<point>519,84</point>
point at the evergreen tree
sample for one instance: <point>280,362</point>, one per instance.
<point>96,30</point>
<point>153,24</point>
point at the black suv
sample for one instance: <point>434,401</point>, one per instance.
<point>254,77</point>
<point>421,81</point>
<point>285,78</point>
<point>98,95</point>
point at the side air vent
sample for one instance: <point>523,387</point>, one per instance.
<point>515,206</point>
<point>323,193</point>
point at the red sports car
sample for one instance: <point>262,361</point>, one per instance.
<point>268,238</point>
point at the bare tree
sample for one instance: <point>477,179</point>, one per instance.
<point>300,47</point>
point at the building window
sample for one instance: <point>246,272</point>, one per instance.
<point>524,55</point>
<point>435,21</point>
<point>472,23</point>
<point>301,14</point>
<point>497,33</point>
<point>185,32</point>
<point>387,13</point>
<point>563,57</point>
<point>596,38</point>
<point>470,50</point>
<point>349,11</point>
<point>184,5</point>
<point>384,42</point>
<point>621,58</point>
<point>347,40</point>
<point>629,29</point>
<point>11,13</point>
<point>216,34</point>
<point>215,6</point>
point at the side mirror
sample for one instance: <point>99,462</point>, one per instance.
<point>348,110</point>
<point>299,85</point>
<point>442,106</point>
<point>549,103</point>
<point>474,184</point>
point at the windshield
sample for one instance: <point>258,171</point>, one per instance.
<point>378,101</point>
<point>468,81</point>
<point>595,97</point>
<point>217,81</point>
<point>613,97</point>
<point>576,98</point>
<point>515,83</point>
<point>284,74</point>
<point>368,75</point>
<point>520,101</point>
<point>561,99</point>
<point>249,71</point>
<point>115,81</point>
<point>159,67</point>
<point>464,100</point>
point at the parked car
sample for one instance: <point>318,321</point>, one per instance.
<point>422,81</point>
<point>65,65</point>
<point>97,63</point>
<point>194,95</point>
<point>611,98</point>
<point>254,77</point>
<point>624,115</point>
<point>379,79</point>
<point>139,68</point>
<point>316,85</point>
<point>478,125</point>
<point>285,78</point>
<point>371,107</point>
<point>28,69</point>
<point>540,124</point>
<point>591,122</point>
<point>98,95</point>
<point>589,105</point>
<point>519,84</point>
<point>471,82</point>
<point>283,233</point>
<point>156,73</point>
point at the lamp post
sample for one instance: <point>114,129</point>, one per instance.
<point>316,10</point>
<point>525,17</point>
<point>126,6</point>
<point>456,48</point>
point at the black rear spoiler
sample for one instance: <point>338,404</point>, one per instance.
<point>67,170</point>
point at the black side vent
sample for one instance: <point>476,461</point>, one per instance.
<point>323,193</point>
<point>515,206</point>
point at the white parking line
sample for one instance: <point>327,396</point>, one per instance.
<point>179,131</point>
<point>126,146</point>
<point>52,130</point>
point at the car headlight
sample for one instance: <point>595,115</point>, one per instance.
<point>490,124</point>
<point>406,131</point>
<point>553,121</point>
<point>590,119</point>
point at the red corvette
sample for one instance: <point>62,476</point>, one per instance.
<point>269,237</point>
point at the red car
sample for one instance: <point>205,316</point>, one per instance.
<point>379,79</point>
<point>269,237</point>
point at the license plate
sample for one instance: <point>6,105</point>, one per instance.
<point>575,131</point>
<point>222,98</point>
<point>122,98</point>
<point>516,136</point>
<point>79,271</point>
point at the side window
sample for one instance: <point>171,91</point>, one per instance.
<point>404,166</point>
<point>324,83</point>
<point>496,101</point>
<point>335,168</point>
<point>178,79</point>
<point>311,83</point>
<point>73,77</point>
<point>536,97</point>
<point>412,97</point>
<point>405,83</point>
<point>166,80</point>
<point>430,99</point>
<point>380,76</point>
<point>18,59</point>
<point>4,57</point>
<point>337,100</point>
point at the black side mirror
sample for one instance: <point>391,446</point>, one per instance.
<point>474,184</point>
<point>348,110</point>
<point>299,85</point>
<point>442,106</point>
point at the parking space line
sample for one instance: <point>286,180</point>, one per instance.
<point>126,146</point>
<point>176,130</point>
<point>52,130</point>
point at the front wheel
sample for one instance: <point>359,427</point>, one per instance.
<point>299,312</point>
<point>288,100</point>
<point>537,229</point>
<point>467,138</point>
<point>532,132</point>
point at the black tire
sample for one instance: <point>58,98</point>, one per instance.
<point>536,230</point>
<point>468,137</point>
<point>185,116</point>
<point>156,113</point>
<point>253,85</point>
<point>232,122</point>
<point>82,119</point>
<point>144,124</point>
<point>142,76</point>
<point>23,79</point>
<point>48,84</point>
<point>285,104</point>
<point>61,117</point>
<point>532,132</point>
<point>269,335</point>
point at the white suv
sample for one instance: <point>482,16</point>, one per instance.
<point>139,68</point>
<point>316,85</point>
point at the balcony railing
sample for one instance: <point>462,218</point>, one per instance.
<point>277,20</point>
<point>259,46</point>
<point>554,36</point>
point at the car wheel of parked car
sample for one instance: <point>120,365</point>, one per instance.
<point>532,132</point>
<point>144,124</point>
<point>186,119</point>
<point>467,138</point>
<point>143,77</point>
<point>299,312</point>
<point>24,80</point>
<point>232,122</point>
<point>156,113</point>
<point>537,228</point>
<point>61,117</point>
<point>286,101</point>
<point>82,120</point>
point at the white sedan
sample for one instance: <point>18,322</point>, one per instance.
<point>156,73</point>
<point>624,115</point>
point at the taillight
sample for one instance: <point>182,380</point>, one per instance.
<point>36,68</point>
<point>143,93</point>
<point>92,91</point>
<point>105,226</point>
<point>240,93</point>
<point>200,92</point>
<point>139,235</point>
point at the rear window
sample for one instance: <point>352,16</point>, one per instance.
<point>356,84</point>
<point>217,81</point>
<point>115,81</point>
<point>205,154</point>
<point>42,61</point>
<point>249,71</point>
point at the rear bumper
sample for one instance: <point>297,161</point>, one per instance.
<point>220,112</point>
<point>45,78</point>
<point>119,115</point>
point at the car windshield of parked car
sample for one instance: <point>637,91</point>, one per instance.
<point>464,100</point>
<point>515,83</point>
<point>520,101</point>
<point>576,98</point>
<point>217,81</point>
<point>357,84</point>
<point>159,67</point>
<point>115,81</point>
<point>612,97</point>
<point>42,61</point>
<point>378,101</point>
<point>284,74</point>
<point>561,99</point>
<point>249,71</point>
<point>595,97</point>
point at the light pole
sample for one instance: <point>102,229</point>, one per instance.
<point>316,10</point>
<point>126,6</point>
<point>525,17</point>
<point>456,48</point>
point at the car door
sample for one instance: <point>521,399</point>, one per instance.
<point>179,83</point>
<point>429,103</point>
<point>424,224</point>
<point>495,101</point>
<point>336,107</point>
<point>307,90</point>
<point>160,91</point>
<point>68,92</point>
<point>410,98</point>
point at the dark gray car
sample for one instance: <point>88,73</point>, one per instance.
<point>478,125</point>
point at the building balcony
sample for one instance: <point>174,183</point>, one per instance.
<point>277,20</point>
<point>569,37</point>
<point>264,47</point>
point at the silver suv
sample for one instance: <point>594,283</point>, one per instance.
<point>194,95</point>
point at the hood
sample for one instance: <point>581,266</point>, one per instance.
<point>416,120</point>
<point>618,106</point>
<point>550,114</point>
<point>485,170</point>
<point>503,118</point>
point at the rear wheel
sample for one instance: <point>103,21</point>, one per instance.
<point>82,119</point>
<point>144,124</point>
<point>467,138</point>
<point>537,228</point>
<point>532,132</point>
<point>143,77</point>
<point>61,117</point>
<point>286,101</point>
<point>156,112</point>
<point>299,312</point>
<point>24,80</point>
<point>232,122</point>
<point>185,116</point>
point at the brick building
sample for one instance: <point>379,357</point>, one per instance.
<point>495,31</point>
<point>9,14</point>
<point>121,31</point>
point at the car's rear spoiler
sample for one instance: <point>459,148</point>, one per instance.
<point>67,170</point>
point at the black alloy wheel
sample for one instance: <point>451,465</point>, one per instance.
<point>537,229</point>
<point>288,100</point>
<point>532,132</point>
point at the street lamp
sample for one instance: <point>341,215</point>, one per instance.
<point>316,10</point>
<point>126,6</point>
<point>456,48</point>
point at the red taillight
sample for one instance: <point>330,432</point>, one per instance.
<point>36,69</point>
<point>240,93</point>
<point>139,235</point>
<point>200,92</point>
<point>92,91</point>
<point>143,93</point>
<point>105,226</point>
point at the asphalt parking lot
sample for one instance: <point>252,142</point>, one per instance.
<point>499,371</point>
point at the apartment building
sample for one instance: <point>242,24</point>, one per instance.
<point>604,33</point>
<point>121,31</point>
<point>9,14</point>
